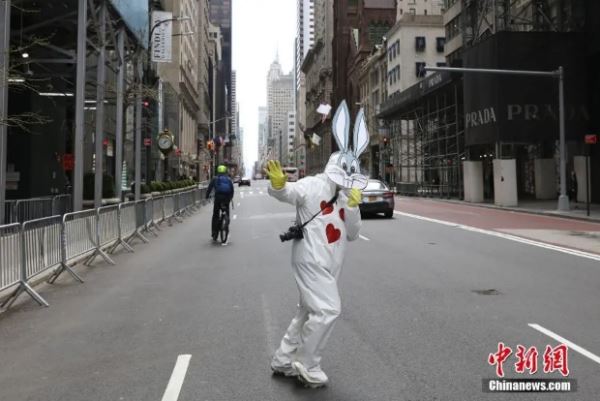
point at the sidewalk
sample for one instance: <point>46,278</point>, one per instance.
<point>537,221</point>
<point>543,207</point>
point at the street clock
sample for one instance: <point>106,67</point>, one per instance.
<point>165,141</point>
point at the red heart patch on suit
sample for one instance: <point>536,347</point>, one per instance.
<point>333,234</point>
<point>342,214</point>
<point>326,207</point>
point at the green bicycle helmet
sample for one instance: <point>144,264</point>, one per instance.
<point>222,169</point>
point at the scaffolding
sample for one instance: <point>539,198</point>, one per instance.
<point>483,18</point>
<point>427,144</point>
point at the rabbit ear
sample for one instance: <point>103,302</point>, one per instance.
<point>341,126</point>
<point>361,135</point>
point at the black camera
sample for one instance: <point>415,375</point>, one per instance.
<point>294,232</point>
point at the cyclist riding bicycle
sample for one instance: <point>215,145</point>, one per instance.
<point>223,187</point>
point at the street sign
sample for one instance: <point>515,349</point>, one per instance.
<point>147,141</point>
<point>591,139</point>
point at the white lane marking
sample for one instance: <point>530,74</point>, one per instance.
<point>510,237</point>
<point>235,216</point>
<point>260,192</point>
<point>176,380</point>
<point>242,194</point>
<point>363,237</point>
<point>238,204</point>
<point>251,192</point>
<point>563,340</point>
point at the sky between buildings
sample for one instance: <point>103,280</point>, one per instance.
<point>261,28</point>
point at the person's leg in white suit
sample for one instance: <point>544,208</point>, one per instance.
<point>321,299</point>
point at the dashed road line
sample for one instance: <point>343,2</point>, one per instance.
<point>563,340</point>
<point>235,216</point>
<point>176,381</point>
<point>363,237</point>
<point>510,237</point>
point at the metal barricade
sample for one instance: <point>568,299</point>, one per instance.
<point>80,234</point>
<point>140,222</point>
<point>42,242</point>
<point>108,220</point>
<point>10,255</point>
<point>158,208</point>
<point>149,216</point>
<point>126,226</point>
<point>185,203</point>
<point>30,209</point>
<point>15,272</point>
<point>10,206</point>
<point>62,204</point>
<point>169,207</point>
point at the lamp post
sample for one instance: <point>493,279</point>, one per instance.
<point>147,82</point>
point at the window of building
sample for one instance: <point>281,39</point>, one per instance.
<point>420,43</point>
<point>442,64</point>
<point>439,44</point>
<point>425,12</point>
<point>412,11</point>
<point>420,69</point>
<point>453,27</point>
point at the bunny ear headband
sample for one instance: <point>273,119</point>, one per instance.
<point>343,167</point>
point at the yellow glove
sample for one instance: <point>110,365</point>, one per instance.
<point>276,175</point>
<point>354,197</point>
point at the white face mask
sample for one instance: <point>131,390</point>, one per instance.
<point>343,167</point>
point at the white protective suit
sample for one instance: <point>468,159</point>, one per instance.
<point>316,262</point>
<point>318,257</point>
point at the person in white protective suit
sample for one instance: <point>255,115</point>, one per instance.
<point>317,258</point>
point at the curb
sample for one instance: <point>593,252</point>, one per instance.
<point>510,209</point>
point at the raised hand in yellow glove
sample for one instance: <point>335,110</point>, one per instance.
<point>354,197</point>
<point>276,174</point>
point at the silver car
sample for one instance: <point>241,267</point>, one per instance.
<point>377,197</point>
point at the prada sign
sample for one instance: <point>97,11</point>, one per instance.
<point>523,112</point>
<point>511,108</point>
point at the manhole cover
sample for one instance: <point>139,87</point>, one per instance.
<point>491,291</point>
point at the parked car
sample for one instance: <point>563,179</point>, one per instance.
<point>377,198</point>
<point>244,181</point>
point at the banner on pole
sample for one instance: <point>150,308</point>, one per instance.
<point>161,36</point>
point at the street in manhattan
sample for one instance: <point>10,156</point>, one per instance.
<point>427,296</point>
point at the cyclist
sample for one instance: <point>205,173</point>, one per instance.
<point>223,187</point>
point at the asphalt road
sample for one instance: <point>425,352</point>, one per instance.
<point>413,324</point>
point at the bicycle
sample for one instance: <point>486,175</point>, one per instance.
<point>223,223</point>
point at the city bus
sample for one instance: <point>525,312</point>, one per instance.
<point>292,173</point>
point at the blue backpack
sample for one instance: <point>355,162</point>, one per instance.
<point>223,185</point>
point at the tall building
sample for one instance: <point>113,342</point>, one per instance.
<point>316,88</point>
<point>305,33</point>
<point>263,135</point>
<point>234,105</point>
<point>181,75</point>
<point>221,16</point>
<point>290,138</point>
<point>204,74</point>
<point>280,101</point>
<point>414,42</point>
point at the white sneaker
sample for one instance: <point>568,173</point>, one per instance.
<point>283,370</point>
<point>313,378</point>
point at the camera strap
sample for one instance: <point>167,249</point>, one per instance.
<point>330,203</point>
